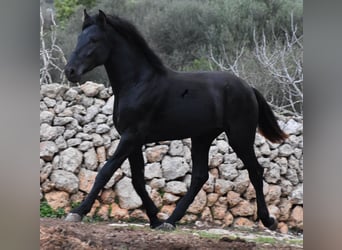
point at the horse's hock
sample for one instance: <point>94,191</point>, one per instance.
<point>77,135</point>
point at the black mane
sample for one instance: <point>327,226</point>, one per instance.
<point>130,33</point>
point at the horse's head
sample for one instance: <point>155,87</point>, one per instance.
<point>92,49</point>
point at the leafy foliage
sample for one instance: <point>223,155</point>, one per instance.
<point>47,211</point>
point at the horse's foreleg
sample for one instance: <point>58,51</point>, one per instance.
<point>126,146</point>
<point>136,161</point>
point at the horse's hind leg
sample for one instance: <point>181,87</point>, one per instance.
<point>241,138</point>
<point>199,150</point>
<point>136,161</point>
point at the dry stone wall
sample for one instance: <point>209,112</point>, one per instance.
<point>77,136</point>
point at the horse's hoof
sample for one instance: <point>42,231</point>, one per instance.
<point>273,226</point>
<point>166,227</point>
<point>73,217</point>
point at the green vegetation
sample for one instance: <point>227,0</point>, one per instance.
<point>47,211</point>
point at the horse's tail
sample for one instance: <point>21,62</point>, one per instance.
<point>268,125</point>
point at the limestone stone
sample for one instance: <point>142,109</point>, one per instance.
<point>46,117</point>
<point>174,167</point>
<point>65,181</point>
<point>243,222</point>
<point>128,198</point>
<point>243,208</point>
<point>199,203</point>
<point>57,199</point>
<point>48,132</point>
<point>118,213</point>
<point>70,159</point>
<point>86,178</point>
<point>91,88</point>
<point>176,148</point>
<point>90,159</point>
<point>223,186</point>
<point>176,187</point>
<point>47,150</point>
<point>156,153</point>
<point>153,170</point>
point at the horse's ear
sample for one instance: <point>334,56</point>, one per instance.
<point>86,20</point>
<point>86,17</point>
<point>102,18</point>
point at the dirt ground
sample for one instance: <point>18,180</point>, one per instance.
<point>58,234</point>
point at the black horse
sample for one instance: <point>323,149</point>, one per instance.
<point>154,103</point>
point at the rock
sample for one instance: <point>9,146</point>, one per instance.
<point>215,160</point>
<point>128,198</point>
<point>70,95</point>
<point>296,195</point>
<point>223,186</point>
<point>91,89</point>
<point>85,146</point>
<point>157,183</point>
<point>101,154</point>
<point>153,170</point>
<point>233,198</point>
<point>107,109</point>
<point>100,118</point>
<point>45,172</point>
<point>65,181</point>
<point>265,150</point>
<point>69,133</point>
<point>243,222</point>
<point>209,186</point>
<point>259,139</point>
<point>102,128</point>
<point>293,127</point>
<point>176,187</point>
<point>57,199</point>
<point>46,117</point>
<point>243,208</point>
<point>119,213</point>
<point>273,173</point>
<point>97,140</point>
<point>169,198</point>
<point>176,148</point>
<point>212,198</point>
<point>92,111</point>
<point>86,179</point>
<point>48,133</point>
<point>61,143</point>
<point>70,159</point>
<point>103,212</point>
<point>199,203</point>
<point>273,196</point>
<point>52,90</point>
<point>283,228</point>
<point>61,121</point>
<point>228,219</point>
<point>108,196</point>
<point>219,209</point>
<point>222,146</point>
<point>241,182</point>
<point>296,218</point>
<point>285,150</point>
<point>60,107</point>
<point>174,167</point>
<point>90,127</point>
<point>292,176</point>
<point>156,153</point>
<point>48,150</point>
<point>206,215</point>
<point>228,171</point>
<point>284,206</point>
<point>286,187</point>
<point>74,142</point>
<point>90,159</point>
<point>139,215</point>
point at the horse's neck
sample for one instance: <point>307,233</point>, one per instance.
<point>127,72</point>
